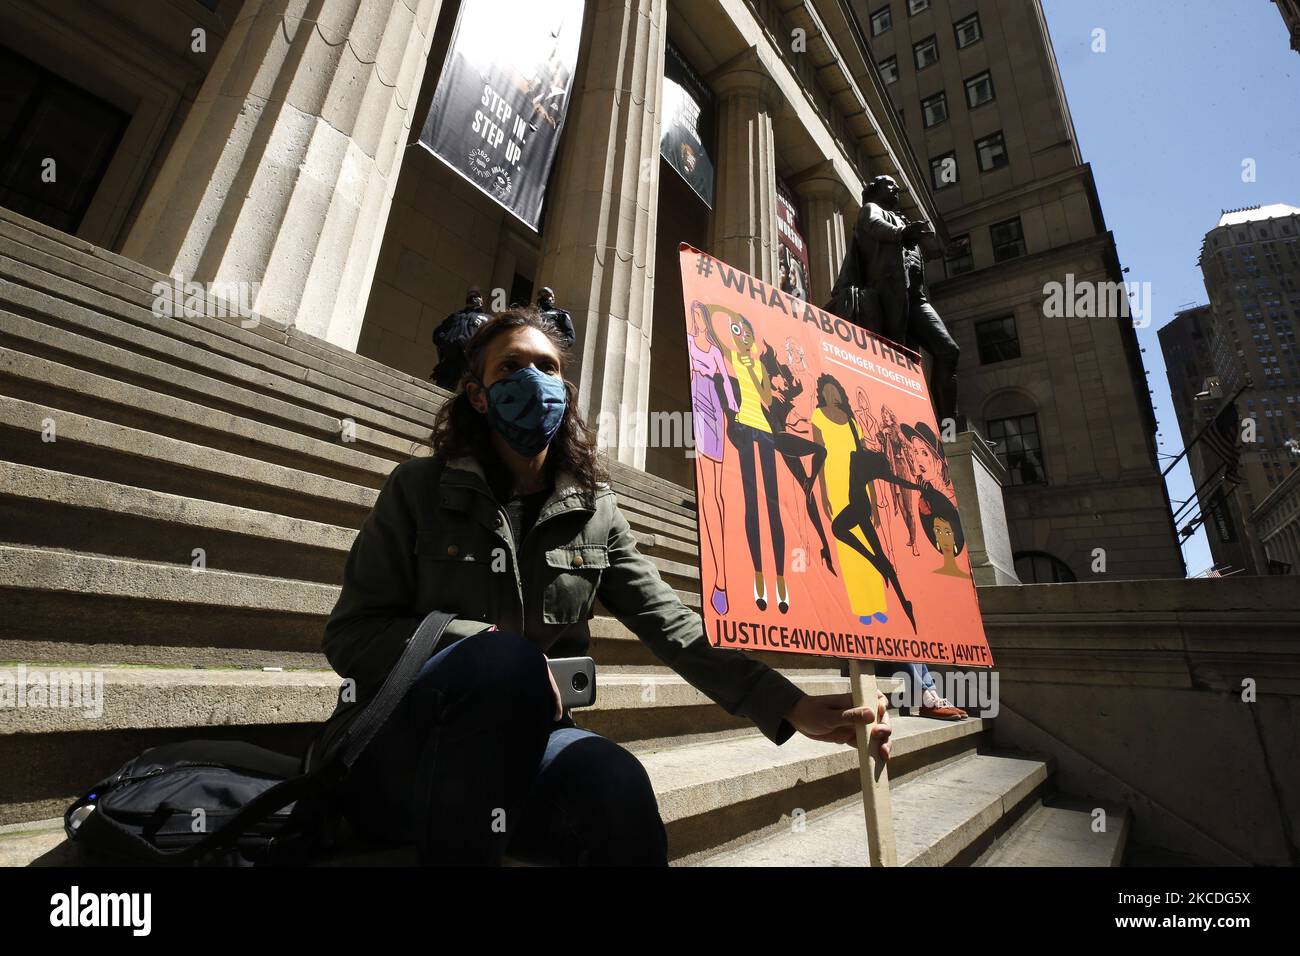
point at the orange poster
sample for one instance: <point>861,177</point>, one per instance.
<point>828,520</point>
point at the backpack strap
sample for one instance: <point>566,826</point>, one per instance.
<point>419,648</point>
<point>333,765</point>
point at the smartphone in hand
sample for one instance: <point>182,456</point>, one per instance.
<point>576,679</point>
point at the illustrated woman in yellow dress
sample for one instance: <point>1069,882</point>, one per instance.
<point>856,465</point>
<point>831,430</point>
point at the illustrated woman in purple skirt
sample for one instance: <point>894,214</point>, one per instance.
<point>711,398</point>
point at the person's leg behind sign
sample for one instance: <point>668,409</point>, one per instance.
<point>920,688</point>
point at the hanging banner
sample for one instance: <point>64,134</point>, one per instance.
<point>827,515</point>
<point>792,257</point>
<point>1222,517</point>
<point>689,117</point>
<point>501,100</point>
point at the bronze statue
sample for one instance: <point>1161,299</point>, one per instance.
<point>450,338</point>
<point>881,287</point>
<point>563,321</point>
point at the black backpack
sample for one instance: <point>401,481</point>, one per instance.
<point>259,807</point>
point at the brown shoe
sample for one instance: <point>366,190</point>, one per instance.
<point>942,709</point>
<point>943,713</point>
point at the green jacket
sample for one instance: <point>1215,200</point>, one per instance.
<point>438,540</point>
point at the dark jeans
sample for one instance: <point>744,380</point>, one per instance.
<point>472,765</point>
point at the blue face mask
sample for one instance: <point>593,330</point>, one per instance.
<point>527,408</point>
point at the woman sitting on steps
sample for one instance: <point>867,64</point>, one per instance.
<point>510,526</point>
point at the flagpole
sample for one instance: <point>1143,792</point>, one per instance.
<point>1219,473</point>
<point>1197,437</point>
<point>1199,517</point>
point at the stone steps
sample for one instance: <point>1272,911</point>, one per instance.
<point>50,751</point>
<point>707,790</point>
<point>55,509</point>
<point>124,610</point>
<point>24,265</point>
<point>227,408</point>
<point>1060,833</point>
<point>210,432</point>
<point>942,815</point>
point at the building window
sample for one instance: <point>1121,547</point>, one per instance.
<point>889,69</point>
<point>925,53</point>
<point>916,6</point>
<point>979,90</point>
<point>957,257</point>
<point>1008,239</point>
<point>1015,442</point>
<point>997,339</point>
<point>882,21</point>
<point>968,31</point>
<point>934,109</point>
<point>992,151</point>
<point>44,117</point>
<point>1039,567</point>
<point>943,170</point>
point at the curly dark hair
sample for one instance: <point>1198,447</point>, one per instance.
<point>461,430</point>
<point>935,505</point>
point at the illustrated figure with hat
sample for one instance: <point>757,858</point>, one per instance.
<point>895,446</point>
<point>939,518</point>
<point>881,287</point>
<point>451,336</point>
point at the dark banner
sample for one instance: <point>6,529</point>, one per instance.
<point>1221,517</point>
<point>792,258</point>
<point>689,118</point>
<point>501,100</point>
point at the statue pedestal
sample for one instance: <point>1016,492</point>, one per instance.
<point>978,478</point>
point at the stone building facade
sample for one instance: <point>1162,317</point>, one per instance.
<point>284,156</point>
<point>1276,524</point>
<point>280,152</point>
<point>1061,391</point>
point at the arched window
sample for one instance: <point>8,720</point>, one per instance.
<point>1039,567</point>
<point>1011,423</point>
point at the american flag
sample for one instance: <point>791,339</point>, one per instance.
<point>1221,438</point>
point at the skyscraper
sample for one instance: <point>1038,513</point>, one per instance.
<point>1030,286</point>
<point>1290,10</point>
<point>1250,262</point>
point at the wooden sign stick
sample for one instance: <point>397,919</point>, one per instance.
<point>881,849</point>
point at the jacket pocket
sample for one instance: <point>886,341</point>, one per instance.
<point>572,577</point>
<point>461,574</point>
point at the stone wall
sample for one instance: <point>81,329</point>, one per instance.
<point>1140,689</point>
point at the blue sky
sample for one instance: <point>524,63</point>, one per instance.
<point>1184,92</point>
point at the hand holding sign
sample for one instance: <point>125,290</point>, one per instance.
<point>833,718</point>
